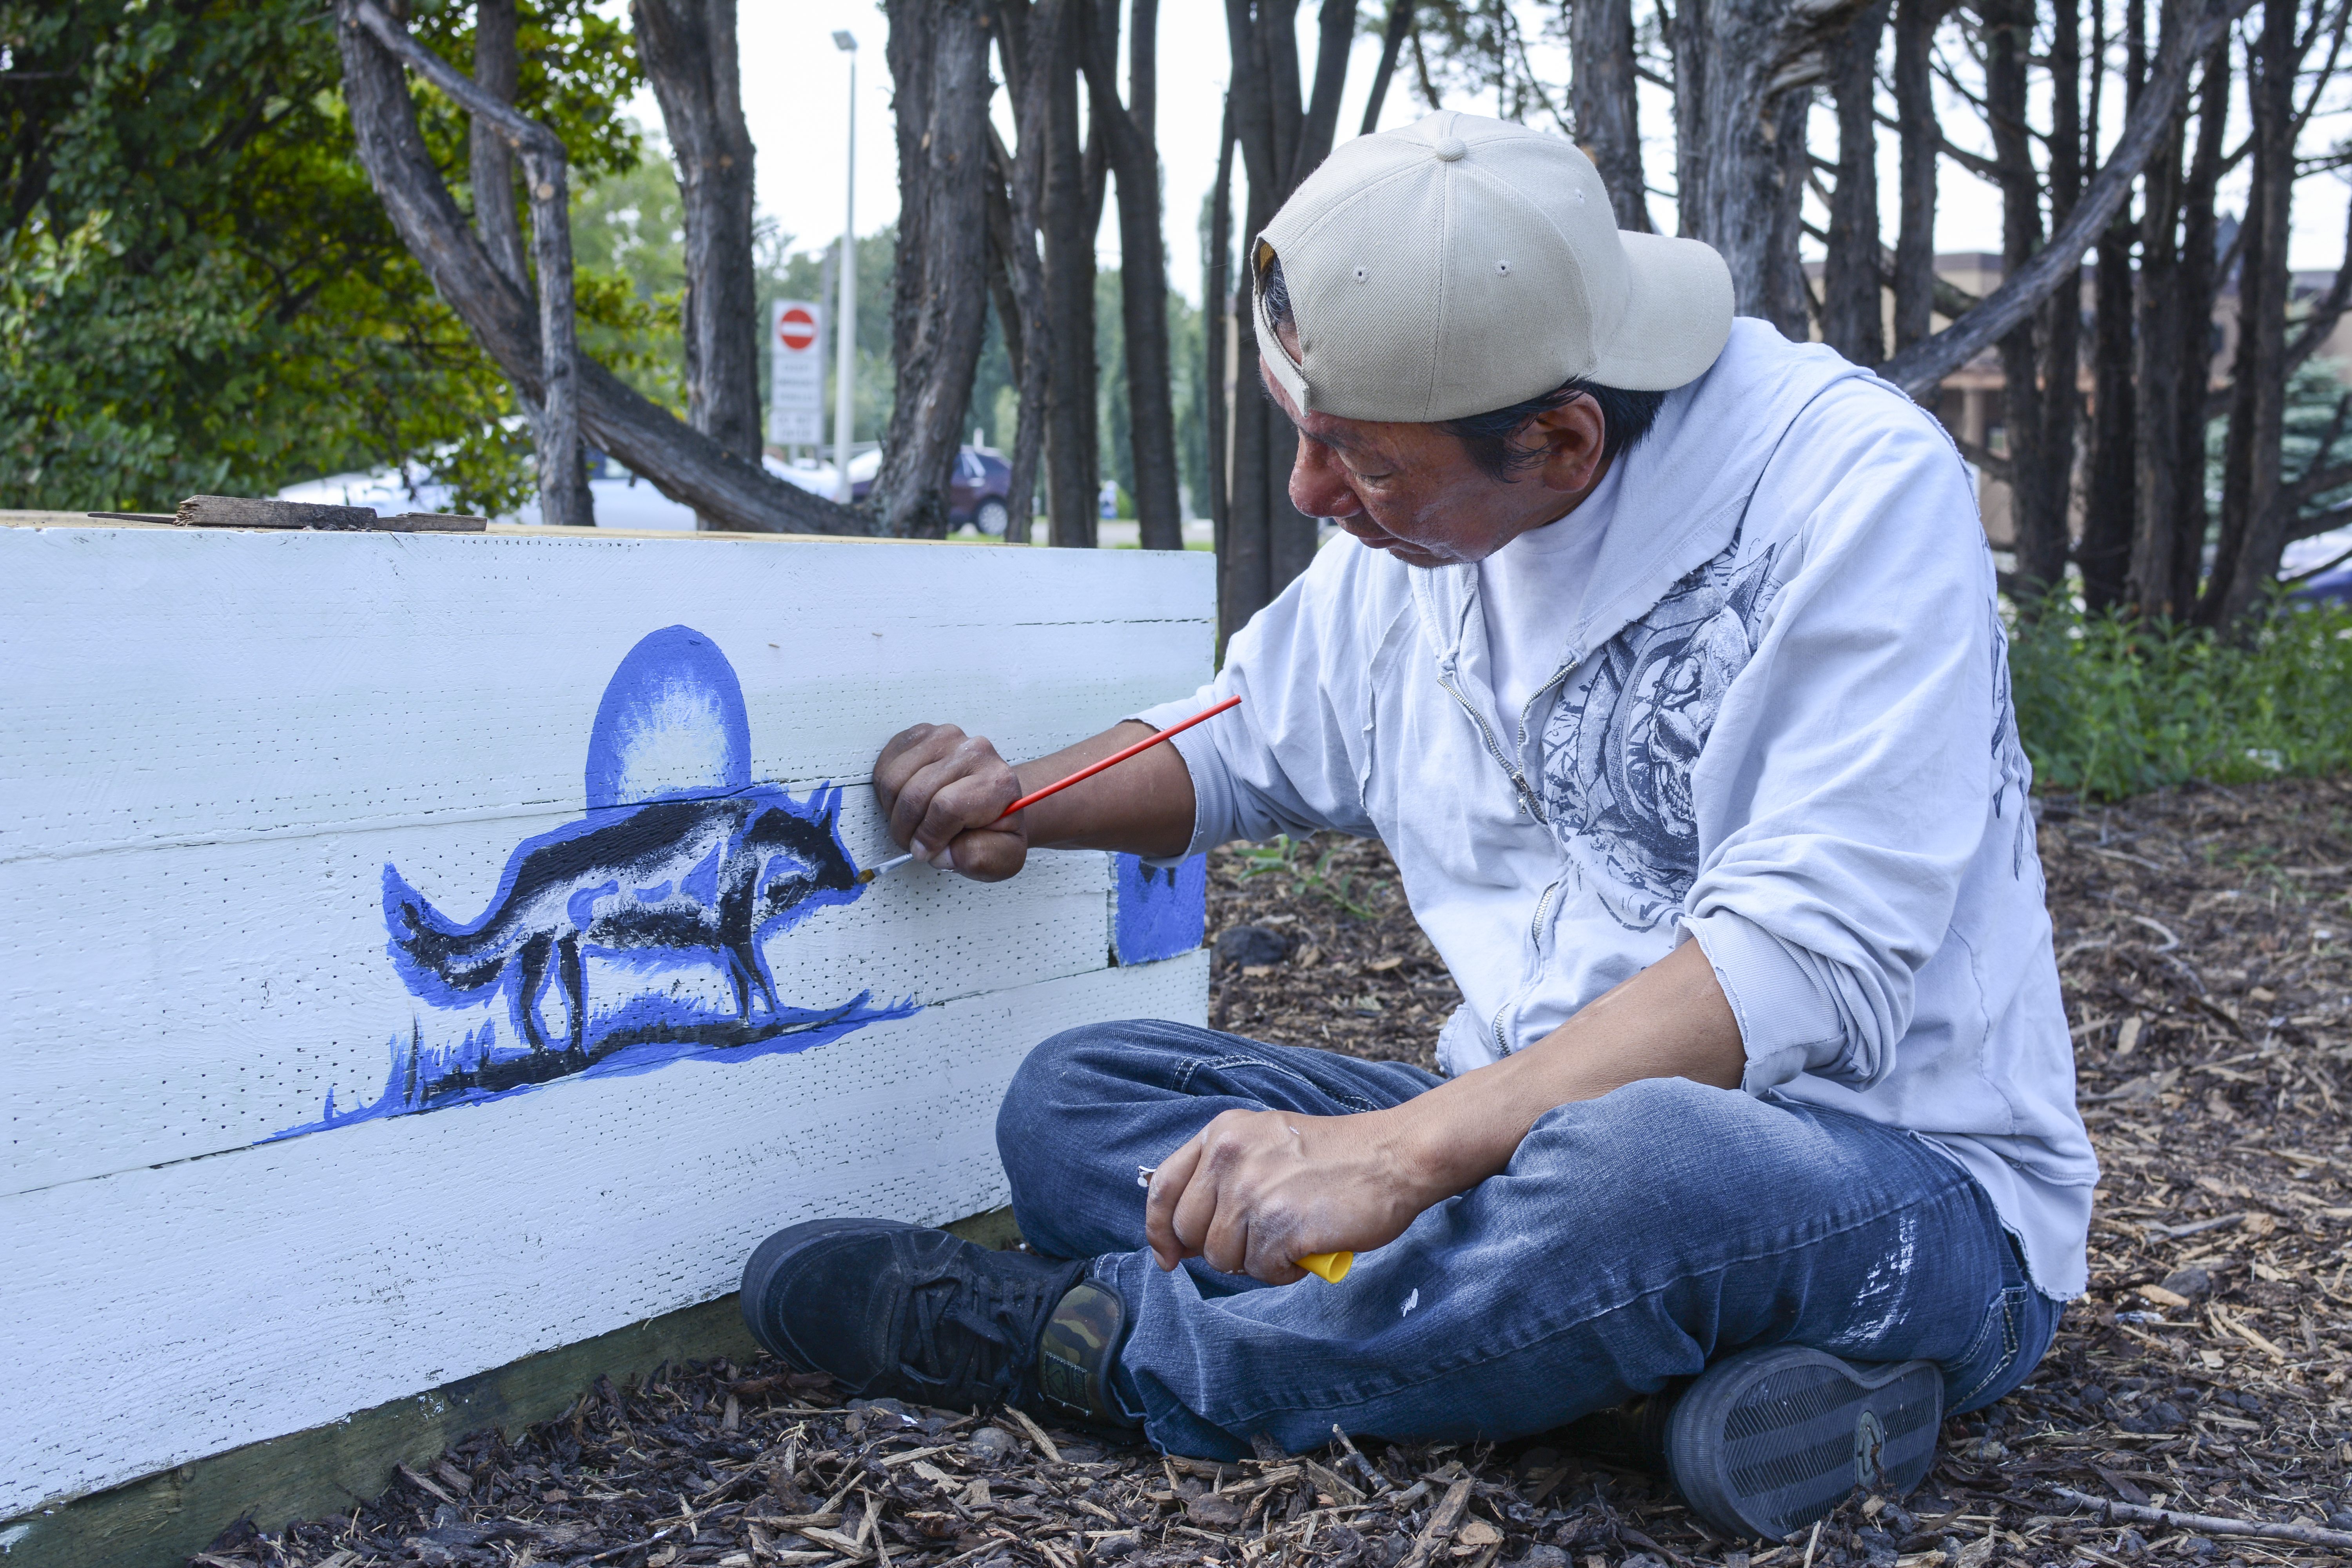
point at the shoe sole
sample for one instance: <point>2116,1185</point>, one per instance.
<point>760,1272</point>
<point>1769,1440</point>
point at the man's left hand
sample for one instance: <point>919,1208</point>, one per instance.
<point>1254,1191</point>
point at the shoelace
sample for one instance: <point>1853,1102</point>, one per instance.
<point>964,1334</point>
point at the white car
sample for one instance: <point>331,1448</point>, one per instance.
<point>621,499</point>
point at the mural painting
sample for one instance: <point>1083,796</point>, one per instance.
<point>1158,911</point>
<point>681,870</point>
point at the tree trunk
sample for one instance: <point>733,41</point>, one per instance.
<point>1282,136</point>
<point>2149,585</point>
<point>937,52</point>
<point>1601,104</point>
<point>563,496</point>
<point>2040,528</point>
<point>1915,114</point>
<point>1216,296</point>
<point>1392,37</point>
<point>689,51</point>
<point>1071,444</point>
<point>2253,531</point>
<point>497,70</point>
<point>1743,71</point>
<point>1130,135</point>
<point>2195,286</point>
<point>1851,320</point>
<point>681,462</point>
<point>2110,497</point>
<point>2061,325</point>
<point>1028,59</point>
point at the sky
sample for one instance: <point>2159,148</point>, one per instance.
<point>797,99</point>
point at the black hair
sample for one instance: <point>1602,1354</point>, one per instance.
<point>1625,416</point>
<point>1625,419</point>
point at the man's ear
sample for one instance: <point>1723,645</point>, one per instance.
<point>1572,437</point>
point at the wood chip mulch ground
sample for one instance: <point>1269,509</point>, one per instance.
<point>2194,1409</point>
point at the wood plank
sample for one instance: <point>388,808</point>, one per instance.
<point>165,1314</point>
<point>228,1012</point>
<point>301,681</point>
<point>167,1517</point>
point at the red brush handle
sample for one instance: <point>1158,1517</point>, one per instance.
<point>1117,757</point>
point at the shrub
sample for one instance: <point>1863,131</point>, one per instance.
<point>2110,706</point>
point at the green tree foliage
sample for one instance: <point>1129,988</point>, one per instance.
<point>199,291</point>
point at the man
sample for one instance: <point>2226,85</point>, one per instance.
<point>1665,658</point>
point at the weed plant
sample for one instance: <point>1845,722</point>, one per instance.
<point>2109,707</point>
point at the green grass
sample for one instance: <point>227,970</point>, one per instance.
<point>2107,708</point>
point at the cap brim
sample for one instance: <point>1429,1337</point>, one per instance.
<point>1678,308</point>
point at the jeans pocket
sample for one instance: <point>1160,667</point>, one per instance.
<point>1992,1353</point>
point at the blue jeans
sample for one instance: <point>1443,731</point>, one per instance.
<point>1633,1239</point>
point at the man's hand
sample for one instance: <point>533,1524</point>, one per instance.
<point>941,791</point>
<point>1256,1190</point>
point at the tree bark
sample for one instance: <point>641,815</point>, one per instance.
<point>2149,586</point>
<point>1602,106</point>
<point>689,51</point>
<point>1852,320</point>
<point>937,53</point>
<point>1282,136</point>
<point>2040,528</point>
<point>563,496</point>
<point>1216,296</point>
<point>1915,113</point>
<point>1737,64</point>
<point>1071,444</point>
<point>2110,495</point>
<point>681,462</point>
<point>2253,535</point>
<point>2196,281</point>
<point>497,70</point>
<point>1392,37</point>
<point>1130,134</point>
<point>2060,329</point>
<point>1028,328</point>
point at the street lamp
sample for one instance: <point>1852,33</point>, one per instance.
<point>845,331</point>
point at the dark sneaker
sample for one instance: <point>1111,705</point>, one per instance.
<point>1769,1440</point>
<point>901,1311</point>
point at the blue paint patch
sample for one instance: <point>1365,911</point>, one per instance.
<point>681,865</point>
<point>1157,912</point>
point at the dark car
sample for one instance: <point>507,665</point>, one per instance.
<point>976,493</point>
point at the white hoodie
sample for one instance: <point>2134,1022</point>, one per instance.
<point>1781,725</point>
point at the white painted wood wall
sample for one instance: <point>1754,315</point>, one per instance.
<point>212,743</point>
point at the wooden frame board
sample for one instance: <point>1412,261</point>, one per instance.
<point>429,950</point>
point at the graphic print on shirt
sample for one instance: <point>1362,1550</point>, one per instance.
<point>1619,751</point>
<point>2010,770</point>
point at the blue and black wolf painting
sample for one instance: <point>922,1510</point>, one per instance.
<point>680,864</point>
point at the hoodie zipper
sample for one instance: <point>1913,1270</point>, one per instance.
<point>1518,780</point>
<point>1535,935</point>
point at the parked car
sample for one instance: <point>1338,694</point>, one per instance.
<point>977,493</point>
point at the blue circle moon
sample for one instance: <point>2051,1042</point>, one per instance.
<point>672,724</point>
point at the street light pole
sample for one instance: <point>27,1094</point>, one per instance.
<point>845,331</point>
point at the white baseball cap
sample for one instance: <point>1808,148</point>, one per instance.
<point>1463,264</point>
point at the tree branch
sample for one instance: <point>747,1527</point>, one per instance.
<point>682,463</point>
<point>1917,368</point>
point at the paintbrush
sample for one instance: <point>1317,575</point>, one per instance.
<point>1089,771</point>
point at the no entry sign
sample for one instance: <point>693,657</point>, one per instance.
<point>796,375</point>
